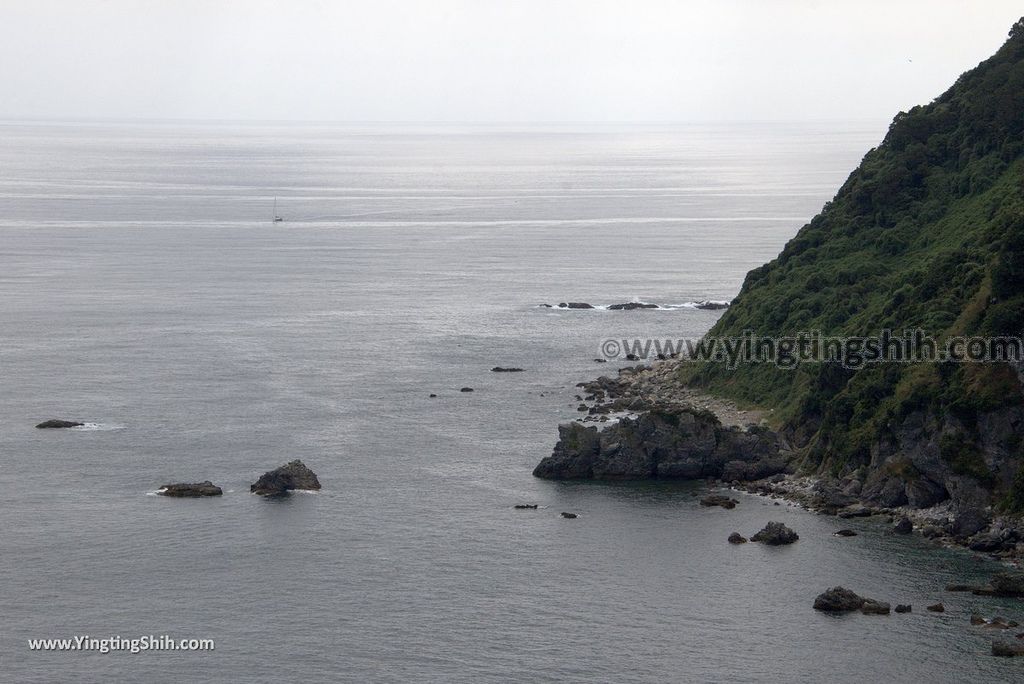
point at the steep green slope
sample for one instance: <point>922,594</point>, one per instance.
<point>928,232</point>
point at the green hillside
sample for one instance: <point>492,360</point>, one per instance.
<point>928,232</point>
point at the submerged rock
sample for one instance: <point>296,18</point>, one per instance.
<point>962,587</point>
<point>501,369</point>
<point>845,533</point>
<point>629,306</point>
<point>775,534</point>
<point>1008,584</point>
<point>936,608</point>
<point>190,490</point>
<point>718,500</point>
<point>1007,648</point>
<point>872,607</point>
<point>838,600</point>
<point>532,506</point>
<point>56,424</point>
<point>293,475</point>
<point>569,515</point>
<point>998,622</point>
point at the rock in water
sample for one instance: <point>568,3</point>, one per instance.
<point>936,608</point>
<point>903,526</point>
<point>568,515</point>
<point>775,534</point>
<point>681,443</point>
<point>575,305</point>
<point>502,369</point>
<point>718,500</point>
<point>524,506</point>
<point>873,607</point>
<point>903,608</point>
<point>1008,584</point>
<point>845,533</point>
<point>1007,649</point>
<point>190,490</point>
<point>838,600</point>
<point>54,423</point>
<point>963,587</point>
<point>466,389</point>
<point>629,306</point>
<point>987,543</point>
<point>294,475</point>
<point>737,538</point>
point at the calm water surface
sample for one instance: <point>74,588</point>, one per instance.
<point>143,288</point>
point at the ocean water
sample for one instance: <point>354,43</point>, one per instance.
<point>144,289</point>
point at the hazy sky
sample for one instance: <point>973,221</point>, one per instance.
<point>488,60</point>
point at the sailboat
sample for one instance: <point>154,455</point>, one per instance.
<point>277,219</point>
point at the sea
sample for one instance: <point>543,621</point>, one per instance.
<point>146,290</point>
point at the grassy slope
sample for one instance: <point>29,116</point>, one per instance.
<point>928,232</point>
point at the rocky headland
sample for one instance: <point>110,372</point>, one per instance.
<point>926,235</point>
<point>655,427</point>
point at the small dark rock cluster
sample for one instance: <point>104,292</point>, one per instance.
<point>718,500</point>
<point>840,600</point>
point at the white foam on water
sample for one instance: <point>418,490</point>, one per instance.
<point>94,427</point>
<point>657,307</point>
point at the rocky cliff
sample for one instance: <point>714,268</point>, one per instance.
<point>927,234</point>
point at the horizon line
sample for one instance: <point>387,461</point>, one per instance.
<point>432,122</point>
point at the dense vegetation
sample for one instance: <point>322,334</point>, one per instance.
<point>928,232</point>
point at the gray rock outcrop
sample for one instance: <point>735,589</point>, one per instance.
<point>293,475</point>
<point>190,490</point>
<point>670,443</point>
<point>55,423</point>
<point>775,534</point>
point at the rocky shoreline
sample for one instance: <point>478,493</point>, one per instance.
<point>654,427</point>
<point>657,428</point>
